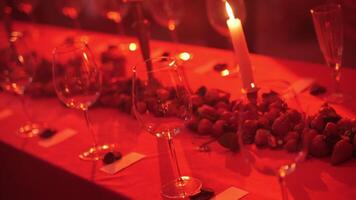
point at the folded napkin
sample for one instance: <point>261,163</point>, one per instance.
<point>121,164</point>
<point>232,193</point>
<point>57,138</point>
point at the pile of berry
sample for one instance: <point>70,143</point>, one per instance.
<point>272,124</point>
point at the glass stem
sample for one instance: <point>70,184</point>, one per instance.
<point>76,24</point>
<point>90,127</point>
<point>174,36</point>
<point>24,107</point>
<point>336,76</point>
<point>120,29</point>
<point>174,157</point>
<point>282,183</point>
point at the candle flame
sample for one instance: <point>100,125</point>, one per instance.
<point>132,46</point>
<point>229,11</point>
<point>185,56</point>
<point>225,72</point>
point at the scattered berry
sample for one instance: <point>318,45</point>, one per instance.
<point>219,127</point>
<point>205,126</point>
<point>317,89</point>
<point>261,137</point>
<point>47,133</point>
<point>342,151</point>
<point>111,157</point>
<point>291,145</point>
<point>318,146</point>
<point>208,112</point>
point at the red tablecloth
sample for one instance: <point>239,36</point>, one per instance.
<point>30,171</point>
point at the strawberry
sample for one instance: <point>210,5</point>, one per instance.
<point>196,101</point>
<point>292,135</point>
<point>205,127</point>
<point>272,141</point>
<point>309,135</point>
<point>212,96</point>
<point>331,133</point>
<point>263,122</point>
<point>294,115</point>
<point>318,123</point>
<point>162,94</point>
<point>201,91</point>
<point>354,142</point>
<point>318,146</point>
<point>249,128</point>
<point>218,127</point>
<point>299,127</point>
<point>141,107</point>
<point>208,112</point>
<point>344,124</point>
<point>282,125</point>
<point>330,129</point>
<point>342,152</point>
<point>291,145</point>
<point>192,124</point>
<point>261,137</point>
<point>226,115</point>
<point>272,114</point>
<point>221,104</point>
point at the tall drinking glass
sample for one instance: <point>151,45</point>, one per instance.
<point>77,81</point>
<point>161,103</point>
<point>17,69</point>
<point>328,27</point>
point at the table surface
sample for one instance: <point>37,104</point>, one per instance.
<point>218,169</point>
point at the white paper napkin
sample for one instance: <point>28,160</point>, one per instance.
<point>57,138</point>
<point>298,86</point>
<point>124,162</point>
<point>232,193</point>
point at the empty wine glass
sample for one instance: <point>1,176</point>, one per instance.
<point>70,9</point>
<point>168,13</point>
<point>115,11</point>
<point>161,103</point>
<point>26,6</point>
<point>17,69</point>
<point>77,81</point>
<point>217,17</point>
<point>327,21</point>
<point>273,137</point>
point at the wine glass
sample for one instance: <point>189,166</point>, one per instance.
<point>26,6</point>
<point>70,9</point>
<point>273,136</point>
<point>115,11</point>
<point>168,13</point>
<point>77,81</point>
<point>16,73</point>
<point>327,21</point>
<point>217,17</point>
<point>161,103</point>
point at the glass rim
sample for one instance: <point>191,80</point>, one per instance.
<point>68,47</point>
<point>325,8</point>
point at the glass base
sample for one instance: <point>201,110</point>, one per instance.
<point>29,130</point>
<point>181,188</point>
<point>98,152</point>
<point>336,98</point>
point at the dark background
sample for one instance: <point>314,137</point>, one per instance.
<point>281,28</point>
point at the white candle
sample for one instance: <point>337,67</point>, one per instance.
<point>241,50</point>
